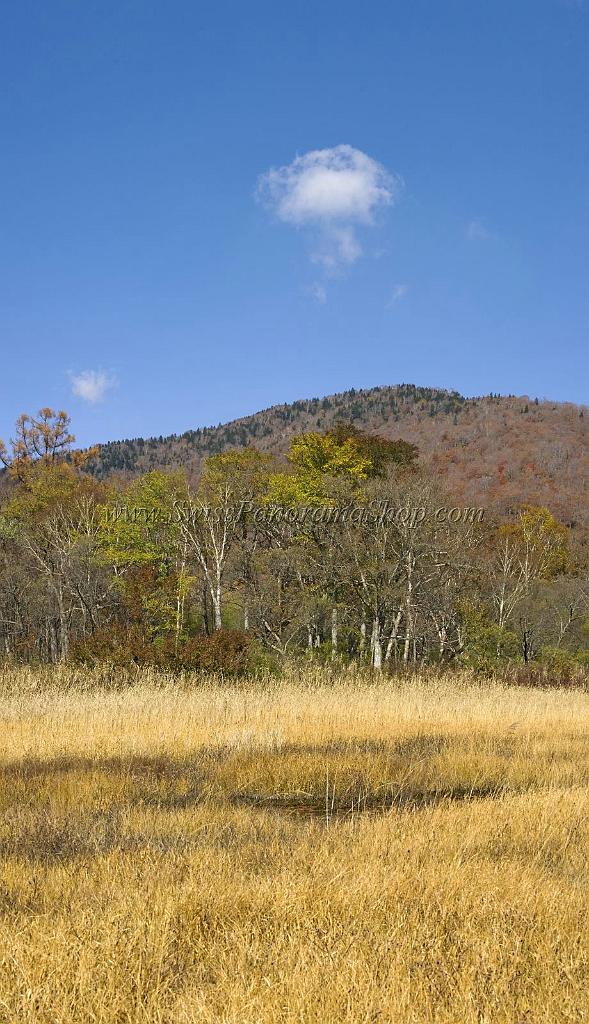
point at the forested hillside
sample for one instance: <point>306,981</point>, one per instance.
<point>495,449</point>
<point>348,544</point>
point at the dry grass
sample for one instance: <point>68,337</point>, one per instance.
<point>297,851</point>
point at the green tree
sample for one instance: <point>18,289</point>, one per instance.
<point>213,526</point>
<point>145,544</point>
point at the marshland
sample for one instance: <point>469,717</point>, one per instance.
<point>318,847</point>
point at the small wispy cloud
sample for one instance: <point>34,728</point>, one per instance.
<point>91,385</point>
<point>398,293</point>
<point>319,292</point>
<point>330,192</point>
<point>476,230</point>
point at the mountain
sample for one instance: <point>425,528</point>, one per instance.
<point>493,450</point>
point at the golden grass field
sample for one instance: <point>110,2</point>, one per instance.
<point>300,850</point>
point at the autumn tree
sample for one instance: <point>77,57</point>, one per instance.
<point>535,546</point>
<point>53,519</point>
<point>315,461</point>
<point>44,438</point>
<point>382,453</point>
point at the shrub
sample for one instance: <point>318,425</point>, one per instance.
<point>554,667</point>
<point>229,652</point>
<point>488,646</point>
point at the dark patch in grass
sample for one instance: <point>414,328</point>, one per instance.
<point>421,746</point>
<point>33,831</point>
<point>131,765</point>
<point>308,805</point>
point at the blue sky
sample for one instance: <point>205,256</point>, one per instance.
<point>155,276</point>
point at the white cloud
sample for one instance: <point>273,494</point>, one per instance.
<point>330,191</point>
<point>476,231</point>
<point>399,292</point>
<point>91,385</point>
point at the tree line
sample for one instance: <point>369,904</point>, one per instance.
<point>83,581</point>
